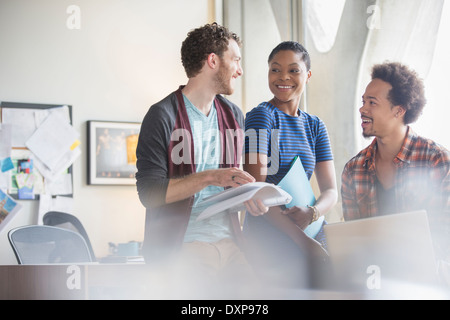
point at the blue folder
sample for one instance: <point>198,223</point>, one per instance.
<point>297,184</point>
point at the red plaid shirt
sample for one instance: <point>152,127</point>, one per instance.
<point>422,181</point>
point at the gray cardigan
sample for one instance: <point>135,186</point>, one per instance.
<point>166,224</point>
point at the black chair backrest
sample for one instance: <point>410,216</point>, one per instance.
<point>67,221</point>
<point>40,244</point>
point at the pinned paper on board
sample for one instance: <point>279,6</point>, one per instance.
<point>52,140</point>
<point>8,208</point>
<point>6,164</point>
<point>25,185</point>
<point>38,147</point>
<point>5,147</point>
<point>25,166</point>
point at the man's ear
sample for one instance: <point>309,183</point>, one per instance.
<point>308,77</point>
<point>400,112</point>
<point>212,60</point>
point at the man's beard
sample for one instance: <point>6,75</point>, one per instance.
<point>222,82</point>
<point>367,135</point>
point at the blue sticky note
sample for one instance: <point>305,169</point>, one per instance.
<point>7,164</point>
<point>25,193</point>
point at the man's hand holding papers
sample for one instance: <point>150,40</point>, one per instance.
<point>233,199</point>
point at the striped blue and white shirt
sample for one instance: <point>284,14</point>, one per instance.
<point>282,137</point>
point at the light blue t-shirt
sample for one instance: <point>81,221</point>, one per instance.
<point>207,156</point>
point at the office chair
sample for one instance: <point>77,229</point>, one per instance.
<point>68,221</point>
<point>38,244</point>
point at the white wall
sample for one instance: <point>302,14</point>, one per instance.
<point>124,58</point>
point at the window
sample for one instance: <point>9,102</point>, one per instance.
<point>324,17</point>
<point>433,123</point>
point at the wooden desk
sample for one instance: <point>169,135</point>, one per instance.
<point>136,281</point>
<point>88,281</point>
<point>118,281</point>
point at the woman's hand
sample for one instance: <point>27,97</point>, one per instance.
<point>301,216</point>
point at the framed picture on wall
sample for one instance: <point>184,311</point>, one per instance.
<point>112,152</point>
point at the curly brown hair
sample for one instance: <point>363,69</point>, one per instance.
<point>407,88</point>
<point>200,42</point>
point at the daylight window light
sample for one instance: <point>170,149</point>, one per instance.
<point>324,17</point>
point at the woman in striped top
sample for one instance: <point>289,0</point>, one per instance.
<point>278,247</point>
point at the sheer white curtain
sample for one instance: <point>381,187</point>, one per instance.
<point>403,31</point>
<point>368,32</point>
<point>433,123</point>
<point>323,19</point>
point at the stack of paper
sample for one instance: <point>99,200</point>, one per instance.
<point>233,199</point>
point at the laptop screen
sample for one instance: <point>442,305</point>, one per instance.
<point>373,253</point>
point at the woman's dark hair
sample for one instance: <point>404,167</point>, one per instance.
<point>200,42</point>
<point>293,46</point>
<point>407,88</point>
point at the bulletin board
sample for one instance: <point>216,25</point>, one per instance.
<point>27,172</point>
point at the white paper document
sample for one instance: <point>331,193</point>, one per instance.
<point>52,140</point>
<point>65,162</point>
<point>25,121</point>
<point>233,199</point>
<point>23,124</point>
<point>5,140</point>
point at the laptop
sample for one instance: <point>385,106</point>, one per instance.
<point>374,253</point>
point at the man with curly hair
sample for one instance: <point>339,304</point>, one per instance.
<point>399,171</point>
<point>189,148</point>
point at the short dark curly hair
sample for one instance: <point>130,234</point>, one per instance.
<point>295,47</point>
<point>407,88</point>
<point>200,42</point>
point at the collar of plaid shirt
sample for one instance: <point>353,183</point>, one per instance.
<point>402,157</point>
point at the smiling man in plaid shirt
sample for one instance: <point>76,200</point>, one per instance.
<point>399,171</point>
